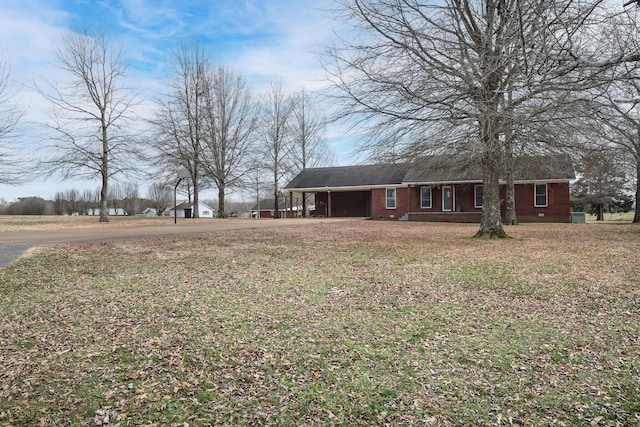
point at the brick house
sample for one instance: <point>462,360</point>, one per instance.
<point>435,188</point>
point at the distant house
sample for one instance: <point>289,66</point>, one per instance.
<point>266,209</point>
<point>186,210</point>
<point>435,188</point>
<point>111,212</point>
<point>149,212</point>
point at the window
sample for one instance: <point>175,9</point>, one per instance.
<point>447,198</point>
<point>541,195</point>
<point>425,197</point>
<point>478,191</point>
<point>391,198</point>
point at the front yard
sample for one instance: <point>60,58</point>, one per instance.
<point>355,323</point>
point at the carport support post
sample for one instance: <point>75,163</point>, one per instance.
<point>328,203</point>
<point>290,204</point>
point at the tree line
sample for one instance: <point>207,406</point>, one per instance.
<point>485,81</point>
<point>209,123</point>
<point>122,199</point>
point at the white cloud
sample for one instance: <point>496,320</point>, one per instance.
<point>261,39</point>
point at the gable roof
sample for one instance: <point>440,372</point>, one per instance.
<point>442,169</point>
<point>427,169</point>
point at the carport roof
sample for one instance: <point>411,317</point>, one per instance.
<point>349,176</point>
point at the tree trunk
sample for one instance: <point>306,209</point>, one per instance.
<point>275,192</point>
<point>221,208</point>
<point>104,171</point>
<point>491,219</point>
<point>600,212</point>
<point>196,196</point>
<point>510,217</point>
<point>636,215</point>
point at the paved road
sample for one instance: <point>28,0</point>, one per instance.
<point>14,244</point>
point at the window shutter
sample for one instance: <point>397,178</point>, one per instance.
<point>532,193</point>
<point>550,194</point>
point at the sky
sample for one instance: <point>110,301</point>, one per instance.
<point>264,40</point>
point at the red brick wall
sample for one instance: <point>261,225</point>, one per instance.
<point>558,209</point>
<point>408,200</point>
<point>379,203</point>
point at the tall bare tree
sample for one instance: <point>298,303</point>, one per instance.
<point>230,124</point>
<point>310,148</point>
<point>618,106</point>
<point>90,113</point>
<point>10,115</point>
<point>432,75</point>
<point>160,195</point>
<point>275,133</point>
<point>602,181</point>
<point>182,119</point>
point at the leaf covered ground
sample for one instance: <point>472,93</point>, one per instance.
<point>355,323</point>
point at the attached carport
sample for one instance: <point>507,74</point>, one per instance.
<point>345,191</point>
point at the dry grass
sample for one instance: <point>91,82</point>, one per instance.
<point>9,223</point>
<point>355,323</point>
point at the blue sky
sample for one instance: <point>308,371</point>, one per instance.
<point>262,39</point>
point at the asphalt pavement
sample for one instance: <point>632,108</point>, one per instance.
<point>10,253</point>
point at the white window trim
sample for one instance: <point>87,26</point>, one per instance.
<point>546,196</point>
<point>422,206</point>
<point>450,187</point>
<point>395,198</point>
<point>475,196</point>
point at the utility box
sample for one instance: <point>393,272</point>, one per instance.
<point>578,217</point>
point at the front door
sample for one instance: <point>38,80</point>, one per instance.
<point>447,198</point>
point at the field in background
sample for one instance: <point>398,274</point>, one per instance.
<point>10,223</point>
<point>355,323</point>
<point>613,217</point>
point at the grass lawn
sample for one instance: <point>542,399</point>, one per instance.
<point>355,323</point>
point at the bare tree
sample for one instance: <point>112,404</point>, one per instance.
<point>433,75</point>
<point>10,115</point>
<point>602,181</point>
<point>59,203</point>
<point>161,196</point>
<point>230,122</point>
<point>618,106</point>
<point>90,113</point>
<point>275,133</point>
<point>181,121</point>
<point>310,149</point>
<point>128,197</point>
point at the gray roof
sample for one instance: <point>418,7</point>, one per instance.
<point>428,169</point>
<point>349,176</point>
